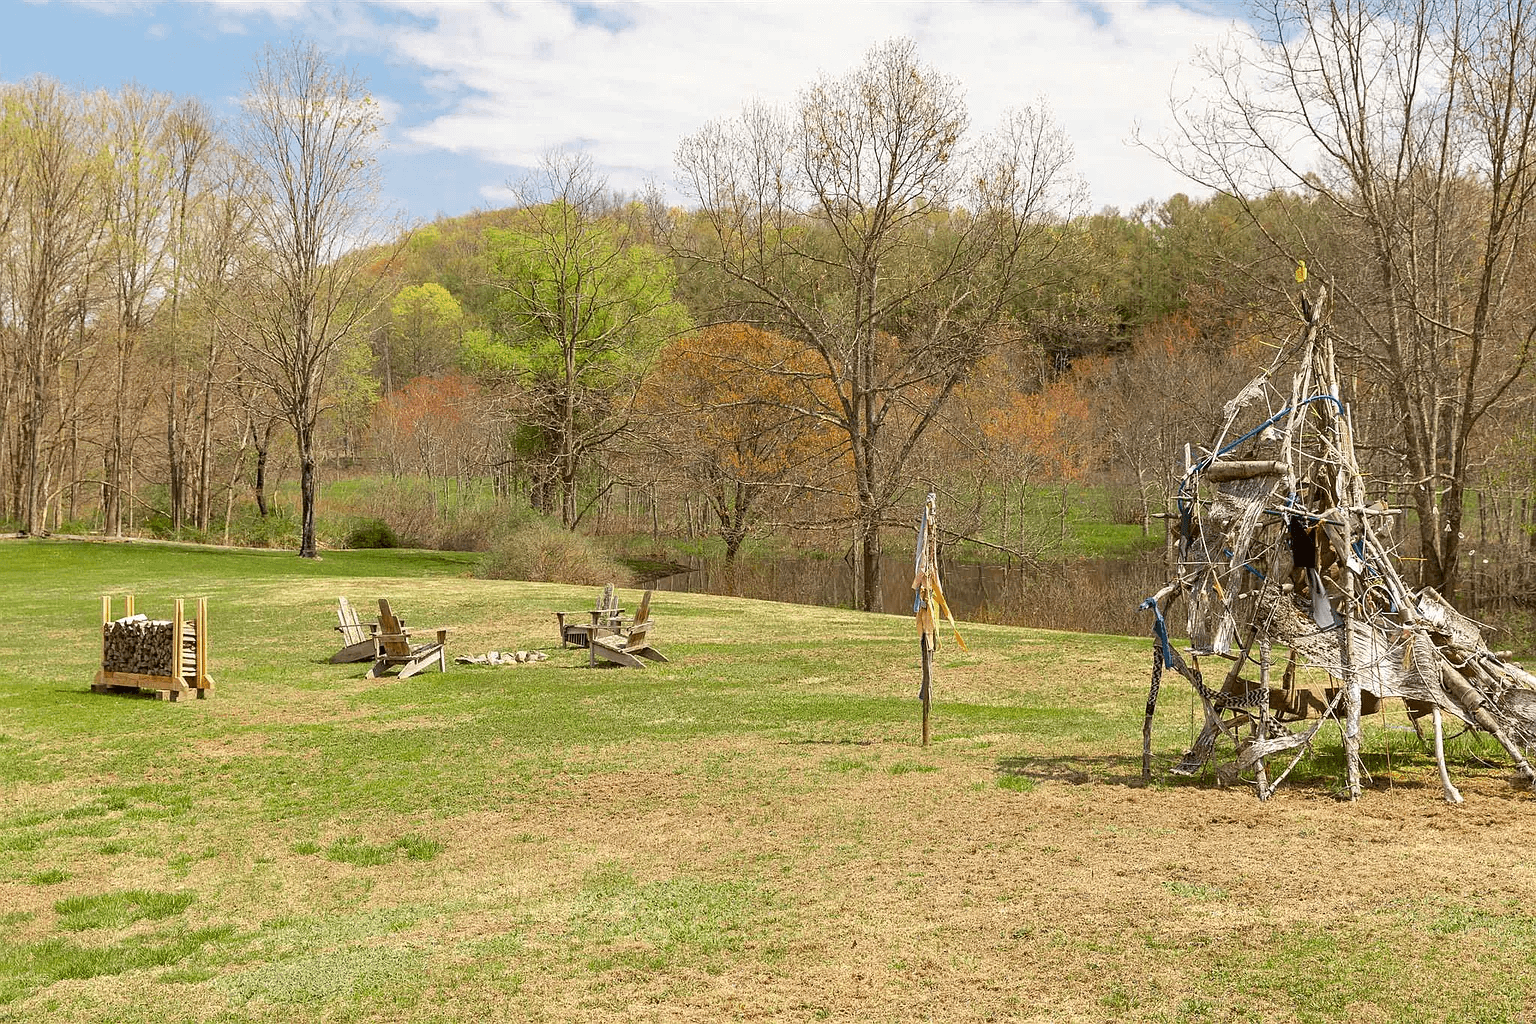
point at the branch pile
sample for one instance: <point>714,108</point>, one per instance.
<point>1278,548</point>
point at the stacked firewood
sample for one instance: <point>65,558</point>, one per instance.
<point>137,644</point>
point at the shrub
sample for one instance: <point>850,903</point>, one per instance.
<point>545,553</point>
<point>279,528</point>
<point>372,533</point>
<point>157,524</point>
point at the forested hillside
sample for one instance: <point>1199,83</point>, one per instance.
<point>840,306</point>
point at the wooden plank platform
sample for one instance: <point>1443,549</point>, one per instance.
<point>164,687</point>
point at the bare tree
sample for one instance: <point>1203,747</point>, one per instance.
<point>190,138</point>
<point>137,224</point>
<point>1393,146</point>
<point>864,227</point>
<point>10,341</point>
<point>310,132</point>
<point>53,248</point>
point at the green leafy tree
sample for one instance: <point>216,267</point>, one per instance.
<point>426,324</point>
<point>585,308</point>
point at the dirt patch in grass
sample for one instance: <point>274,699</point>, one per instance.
<point>872,895</point>
<point>246,744</point>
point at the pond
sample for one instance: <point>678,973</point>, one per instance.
<point>1093,595</point>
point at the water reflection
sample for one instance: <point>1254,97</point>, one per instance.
<point>1088,595</point>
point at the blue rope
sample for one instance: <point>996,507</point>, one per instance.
<point>1275,417</point>
<point>1203,463</point>
<point>1246,565</point>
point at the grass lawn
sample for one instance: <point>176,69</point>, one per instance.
<point>750,832</point>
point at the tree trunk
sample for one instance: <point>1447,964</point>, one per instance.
<point>869,545</point>
<point>204,455</point>
<point>176,466</point>
<point>568,442</point>
<point>263,444</point>
<point>307,492</point>
<point>33,441</point>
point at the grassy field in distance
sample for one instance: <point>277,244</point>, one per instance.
<point>749,832</point>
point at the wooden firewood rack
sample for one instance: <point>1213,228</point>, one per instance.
<point>189,657</point>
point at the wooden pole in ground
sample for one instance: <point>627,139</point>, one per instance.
<point>202,646</point>
<point>1261,770</point>
<point>1146,723</point>
<point>927,691</point>
<point>106,617</point>
<point>928,600</point>
<point>178,633</point>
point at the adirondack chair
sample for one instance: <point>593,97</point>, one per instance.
<point>628,643</point>
<point>356,638</point>
<point>392,646</point>
<point>606,614</point>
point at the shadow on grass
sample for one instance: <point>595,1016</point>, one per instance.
<point>1118,770</point>
<point>1077,771</point>
<point>1322,777</point>
<point>828,743</point>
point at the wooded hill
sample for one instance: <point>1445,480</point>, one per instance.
<point>855,301</point>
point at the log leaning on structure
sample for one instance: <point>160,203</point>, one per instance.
<point>1280,548</point>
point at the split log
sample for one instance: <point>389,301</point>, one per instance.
<point>1220,472</point>
<point>139,646</point>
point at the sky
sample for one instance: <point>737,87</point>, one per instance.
<point>476,92</point>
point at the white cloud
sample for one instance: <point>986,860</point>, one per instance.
<point>626,82</point>
<point>498,195</point>
<point>535,75</point>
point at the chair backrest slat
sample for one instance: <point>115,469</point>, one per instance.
<point>391,636</point>
<point>352,630</point>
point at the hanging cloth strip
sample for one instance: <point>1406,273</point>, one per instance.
<point>929,592</point>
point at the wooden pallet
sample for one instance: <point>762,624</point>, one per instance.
<point>189,658</point>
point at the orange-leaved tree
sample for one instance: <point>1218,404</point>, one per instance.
<point>1044,435</point>
<point>434,425</point>
<point>728,405</point>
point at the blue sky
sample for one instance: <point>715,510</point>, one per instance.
<point>475,91</point>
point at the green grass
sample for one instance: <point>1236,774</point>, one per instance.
<point>117,909</point>
<point>751,830</point>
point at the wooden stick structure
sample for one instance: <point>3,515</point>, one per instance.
<point>1278,547</point>
<point>166,658</point>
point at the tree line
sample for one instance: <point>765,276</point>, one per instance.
<point>860,297</point>
<point>166,277</point>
